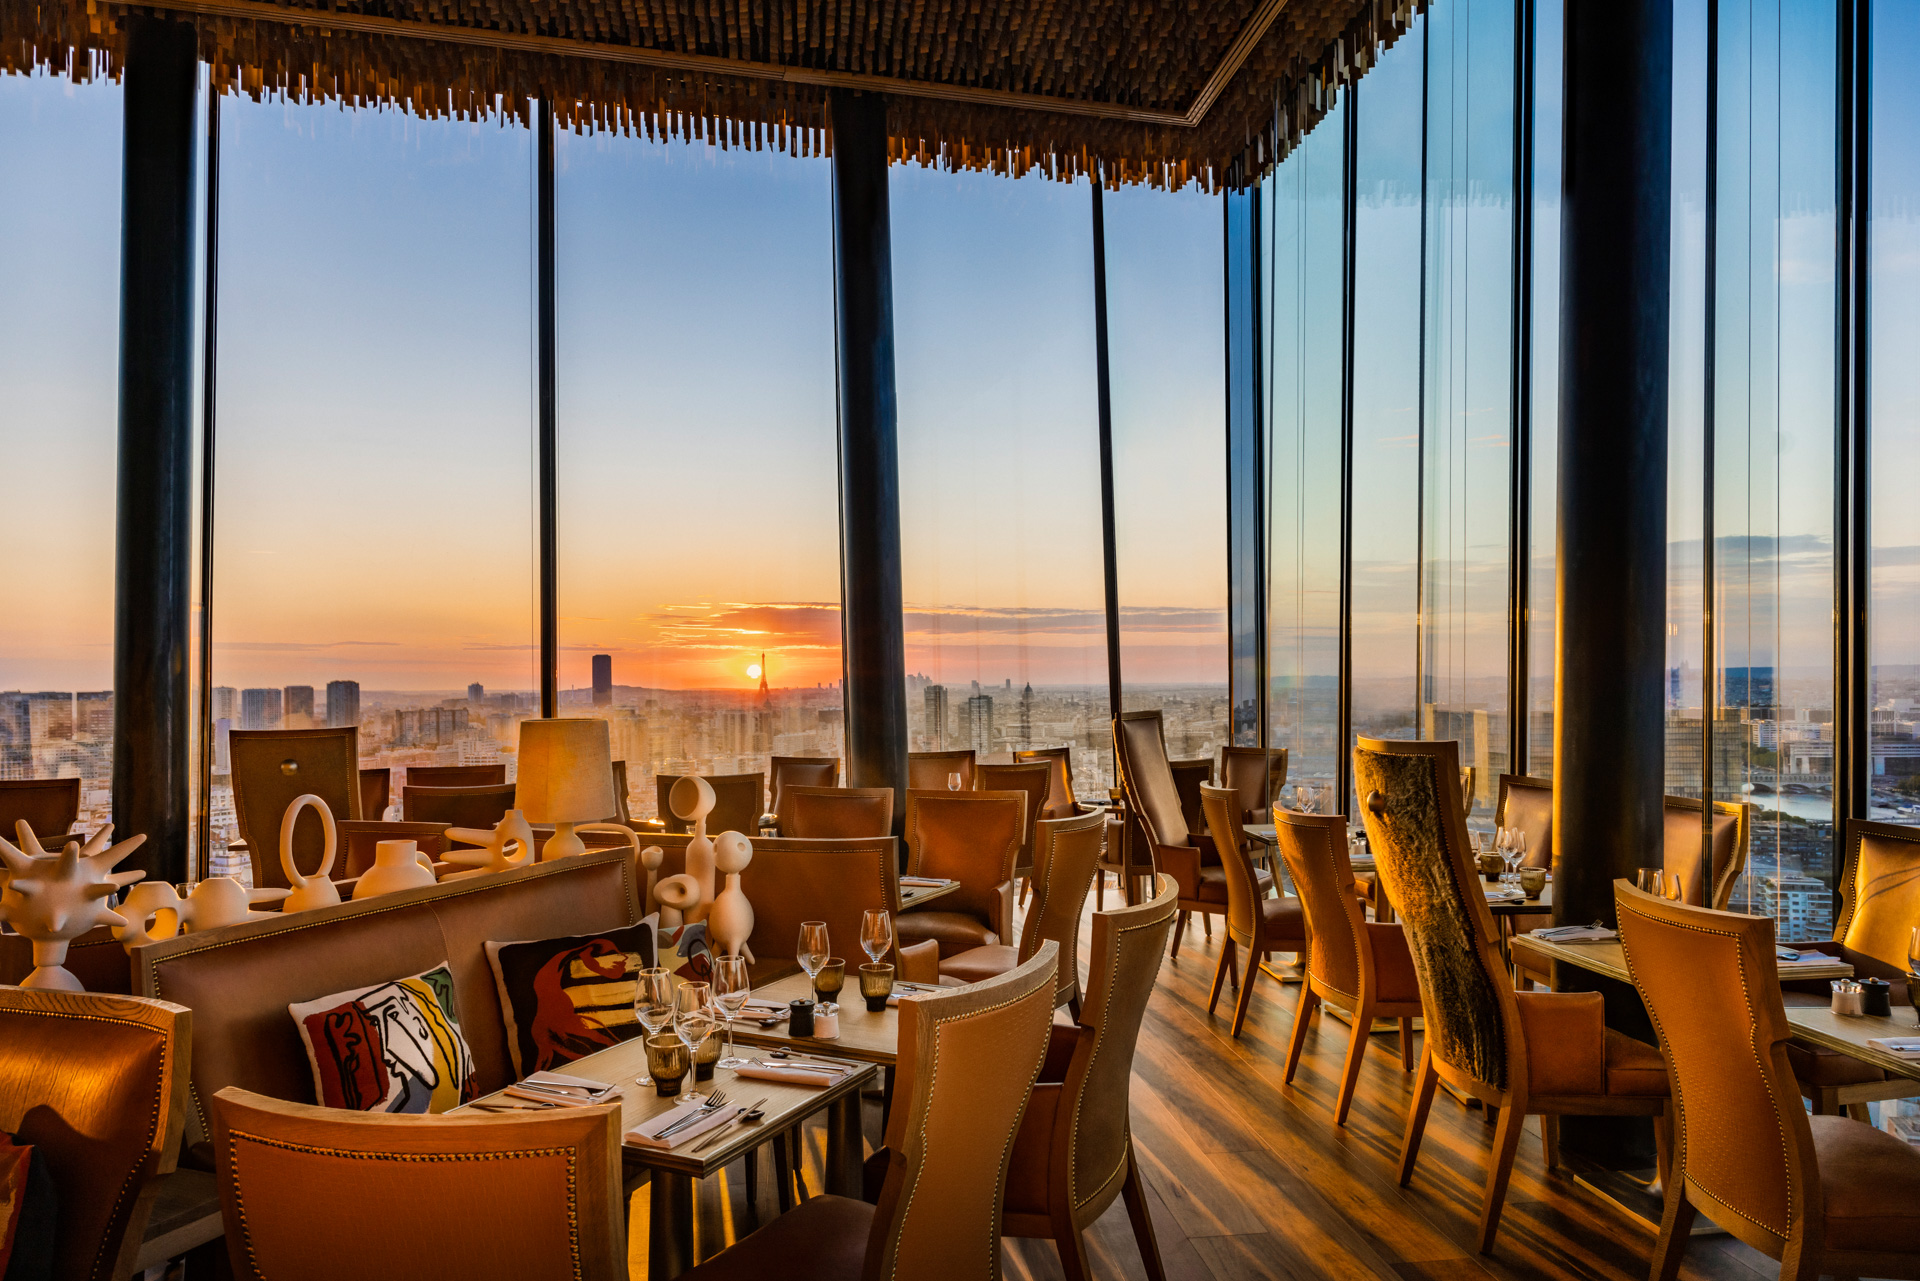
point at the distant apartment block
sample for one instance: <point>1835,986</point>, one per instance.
<point>298,706</point>
<point>980,724</point>
<point>603,680</point>
<point>476,693</point>
<point>343,703</point>
<point>260,709</point>
<point>935,726</point>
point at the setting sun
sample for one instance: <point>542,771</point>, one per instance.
<point>753,671</point>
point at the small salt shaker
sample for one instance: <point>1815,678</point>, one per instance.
<point>1846,997</point>
<point>826,1021</point>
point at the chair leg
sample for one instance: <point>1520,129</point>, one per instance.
<point>1550,1141</point>
<point>1859,1112</point>
<point>1417,1116</point>
<point>753,1184</point>
<point>1357,1040</point>
<point>1676,1226</point>
<point>1220,972</point>
<point>1026,884</point>
<point>783,1173</point>
<point>1179,928</point>
<point>1406,1045</point>
<point>1506,1141</point>
<point>1072,1247</point>
<point>1099,891</point>
<point>1206,923</point>
<point>1246,994</point>
<point>1663,1147</point>
<point>1302,1015</point>
<point>1135,1194</point>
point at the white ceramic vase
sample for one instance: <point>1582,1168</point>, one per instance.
<point>396,866</point>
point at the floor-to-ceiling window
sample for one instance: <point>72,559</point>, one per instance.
<point>1165,327</point>
<point>59,364</point>
<point>999,467</point>
<point>373,539</point>
<point>699,557</point>
<point>1543,510</point>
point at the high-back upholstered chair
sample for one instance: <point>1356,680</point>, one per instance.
<point>1035,779</point>
<point>1140,750</point>
<point>1258,774</point>
<point>1066,851</point>
<point>968,1058</point>
<point>273,766</point>
<point>973,838</point>
<point>455,775</point>
<point>737,801</point>
<point>534,1196</point>
<point>1075,1150</point>
<point>360,837</point>
<point>1527,803</point>
<point>813,813</point>
<point>1546,1053</point>
<point>927,771</point>
<point>481,805</point>
<point>1706,882</point>
<point>1188,778</point>
<point>622,804</point>
<point>98,1085</point>
<point>784,772</point>
<point>1823,1194</point>
<point>1255,921</point>
<point>50,805</point>
<point>836,881</point>
<point>1060,800</point>
<point>1359,965</point>
<point>376,791</point>
<point>1879,906</point>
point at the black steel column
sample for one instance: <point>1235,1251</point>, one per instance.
<point>1852,532</point>
<point>1246,473</point>
<point>1349,240</point>
<point>1108,539</point>
<point>1609,732</point>
<point>1520,407</point>
<point>874,641</point>
<point>547,476</point>
<point>153,552</point>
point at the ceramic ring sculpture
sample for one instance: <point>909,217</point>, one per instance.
<point>319,890</point>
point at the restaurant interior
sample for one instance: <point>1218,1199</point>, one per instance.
<point>1261,639</point>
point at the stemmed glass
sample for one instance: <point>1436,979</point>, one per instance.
<point>731,988</point>
<point>876,934</point>
<point>953,781</point>
<point>693,1017</point>
<point>1303,796</point>
<point>1516,852</point>
<point>812,952</point>
<point>1913,971</point>
<point>653,999</point>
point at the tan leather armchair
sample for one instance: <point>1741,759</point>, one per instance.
<point>376,791</point>
<point>1140,751</point>
<point>273,766</point>
<point>534,1196</point>
<point>479,805</point>
<point>1706,872</point>
<point>1360,966</point>
<point>1188,778</point>
<point>836,881</point>
<point>1822,1194</point>
<point>1035,778</point>
<point>1526,802</point>
<point>973,838</point>
<point>1060,799</point>
<point>816,813</point>
<point>785,772</point>
<point>737,801</point>
<point>98,1085</point>
<point>1067,850</point>
<point>1074,1154</point>
<point>1261,924</point>
<point>968,1059</point>
<point>1523,1053</point>
<point>455,776</point>
<point>1258,774</point>
<point>927,771</point>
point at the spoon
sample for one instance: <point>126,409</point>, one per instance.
<point>751,1114</point>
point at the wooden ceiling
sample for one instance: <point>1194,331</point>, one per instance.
<point>1159,91</point>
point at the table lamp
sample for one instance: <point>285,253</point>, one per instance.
<point>566,777</point>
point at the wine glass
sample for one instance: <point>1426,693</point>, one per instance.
<point>653,999</point>
<point>731,988</point>
<point>1516,852</point>
<point>693,1016</point>
<point>1913,973</point>
<point>812,952</point>
<point>953,781</point>
<point>876,934</point>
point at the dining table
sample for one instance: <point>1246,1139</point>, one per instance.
<point>919,895</point>
<point>866,1036</point>
<point>672,1172</point>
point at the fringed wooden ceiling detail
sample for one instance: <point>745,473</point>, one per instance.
<point>1143,91</point>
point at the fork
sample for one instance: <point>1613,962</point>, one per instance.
<point>712,1105</point>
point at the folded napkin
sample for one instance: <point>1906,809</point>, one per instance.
<point>644,1134</point>
<point>1906,1047</point>
<point>1808,958</point>
<point>1574,934</point>
<point>799,1074</point>
<point>1505,895</point>
<point>761,1011</point>
<point>567,1091</point>
<point>924,882</point>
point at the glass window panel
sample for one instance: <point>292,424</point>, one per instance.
<point>374,526</point>
<point>59,363</point>
<point>1542,499</point>
<point>699,489</point>
<point>1164,335</point>
<point>999,467</point>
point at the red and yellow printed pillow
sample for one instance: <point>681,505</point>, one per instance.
<point>565,998</point>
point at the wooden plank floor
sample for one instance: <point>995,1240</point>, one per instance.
<point>1249,1178</point>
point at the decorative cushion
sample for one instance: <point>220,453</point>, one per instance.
<point>564,998</point>
<point>392,1047</point>
<point>28,1207</point>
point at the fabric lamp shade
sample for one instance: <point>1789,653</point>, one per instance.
<point>566,771</point>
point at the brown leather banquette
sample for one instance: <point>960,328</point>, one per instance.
<point>239,980</point>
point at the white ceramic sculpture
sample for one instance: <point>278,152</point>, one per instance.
<point>317,890</point>
<point>650,860</point>
<point>396,866</point>
<point>512,832</point>
<point>730,922</point>
<point>53,899</point>
<point>154,911</point>
<point>687,898</point>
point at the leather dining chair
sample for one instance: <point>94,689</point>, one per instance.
<point>1187,855</point>
<point>814,813</point>
<point>1258,774</point>
<point>1036,780</point>
<point>1067,850</point>
<point>480,806</point>
<point>784,772</point>
<point>737,803</point>
<point>425,1191</point>
<point>927,771</point>
<point>273,766</point>
<point>973,838</point>
<point>50,806</point>
<point>968,1058</point>
<point>1361,966</point>
<point>1524,1053</point>
<point>1879,907</point>
<point>97,1086</point>
<point>376,791</point>
<point>455,776</point>
<point>1825,1195</point>
<point>360,837</point>
<point>1060,799</point>
<point>1257,922</point>
<point>836,881</point>
<point>1527,803</point>
<point>1188,778</point>
<point>1074,1155</point>
<point>1706,881</point>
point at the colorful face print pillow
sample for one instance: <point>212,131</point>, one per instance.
<point>392,1047</point>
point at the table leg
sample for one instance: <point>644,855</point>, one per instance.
<point>846,1147</point>
<point>669,1225</point>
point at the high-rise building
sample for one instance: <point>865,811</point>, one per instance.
<point>51,715</point>
<point>226,702</point>
<point>93,714</point>
<point>602,680</point>
<point>222,753</point>
<point>298,706</point>
<point>16,736</point>
<point>343,703</point>
<point>980,723</point>
<point>260,709</point>
<point>476,693</point>
<point>936,726</point>
<point>1026,716</point>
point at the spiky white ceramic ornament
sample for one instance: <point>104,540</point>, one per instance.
<point>53,899</point>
